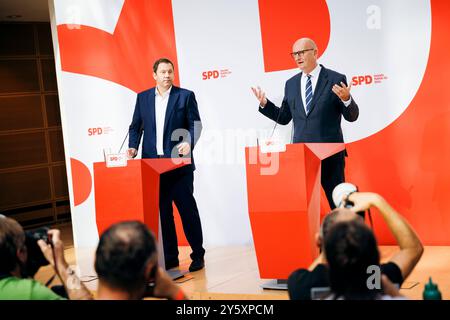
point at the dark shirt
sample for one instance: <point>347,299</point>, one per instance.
<point>301,281</point>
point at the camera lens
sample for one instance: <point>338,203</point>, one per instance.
<point>341,191</point>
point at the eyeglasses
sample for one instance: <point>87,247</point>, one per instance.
<point>300,53</point>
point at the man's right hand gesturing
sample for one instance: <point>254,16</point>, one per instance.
<point>260,95</point>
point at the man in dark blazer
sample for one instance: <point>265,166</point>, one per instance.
<point>169,119</point>
<point>315,99</point>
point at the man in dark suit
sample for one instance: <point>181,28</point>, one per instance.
<point>315,99</point>
<point>169,119</point>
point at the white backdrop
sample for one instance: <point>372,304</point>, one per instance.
<point>224,34</point>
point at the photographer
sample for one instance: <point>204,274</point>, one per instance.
<point>127,266</point>
<point>350,250</point>
<point>398,268</point>
<point>14,272</point>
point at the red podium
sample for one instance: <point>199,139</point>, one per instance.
<point>284,192</point>
<point>132,193</point>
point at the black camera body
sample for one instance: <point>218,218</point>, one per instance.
<point>349,204</point>
<point>36,258</point>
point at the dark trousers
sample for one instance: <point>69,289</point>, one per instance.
<point>178,186</point>
<point>332,174</point>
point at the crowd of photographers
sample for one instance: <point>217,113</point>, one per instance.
<point>348,266</point>
<point>125,262</point>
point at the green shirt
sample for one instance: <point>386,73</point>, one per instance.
<point>12,288</point>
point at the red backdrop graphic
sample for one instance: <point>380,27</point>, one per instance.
<point>81,181</point>
<point>144,33</point>
<point>282,24</point>
<point>407,162</point>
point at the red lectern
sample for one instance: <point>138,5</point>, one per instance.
<point>132,193</point>
<point>284,192</point>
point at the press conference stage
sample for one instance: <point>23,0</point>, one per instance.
<point>232,272</point>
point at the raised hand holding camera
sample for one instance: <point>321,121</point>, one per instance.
<point>362,201</point>
<point>53,250</point>
<point>345,194</point>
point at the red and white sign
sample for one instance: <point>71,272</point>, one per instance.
<point>397,146</point>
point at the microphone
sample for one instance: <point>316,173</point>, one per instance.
<point>276,121</point>
<point>269,144</point>
<point>126,136</point>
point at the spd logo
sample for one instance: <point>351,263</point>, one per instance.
<point>95,131</point>
<point>206,75</point>
<point>99,131</point>
<point>368,79</point>
<point>215,74</point>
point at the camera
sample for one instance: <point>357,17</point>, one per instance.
<point>341,192</point>
<point>36,258</point>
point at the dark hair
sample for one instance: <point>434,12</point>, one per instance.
<point>159,61</point>
<point>328,221</point>
<point>350,247</point>
<point>122,255</point>
<point>12,238</point>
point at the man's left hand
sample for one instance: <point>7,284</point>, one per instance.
<point>184,148</point>
<point>342,91</point>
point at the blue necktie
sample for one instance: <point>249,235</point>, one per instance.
<point>308,94</point>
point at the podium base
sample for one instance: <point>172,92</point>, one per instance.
<point>176,273</point>
<point>276,284</point>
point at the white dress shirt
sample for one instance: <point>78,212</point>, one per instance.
<point>314,78</point>
<point>160,116</point>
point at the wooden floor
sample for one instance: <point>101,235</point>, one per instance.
<point>232,272</point>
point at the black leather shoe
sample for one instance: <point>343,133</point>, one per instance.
<point>171,264</point>
<point>196,265</point>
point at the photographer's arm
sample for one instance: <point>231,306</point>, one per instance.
<point>319,260</point>
<point>411,248</point>
<point>75,289</point>
<point>166,288</point>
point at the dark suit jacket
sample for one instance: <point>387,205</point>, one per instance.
<point>181,113</point>
<point>323,122</point>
